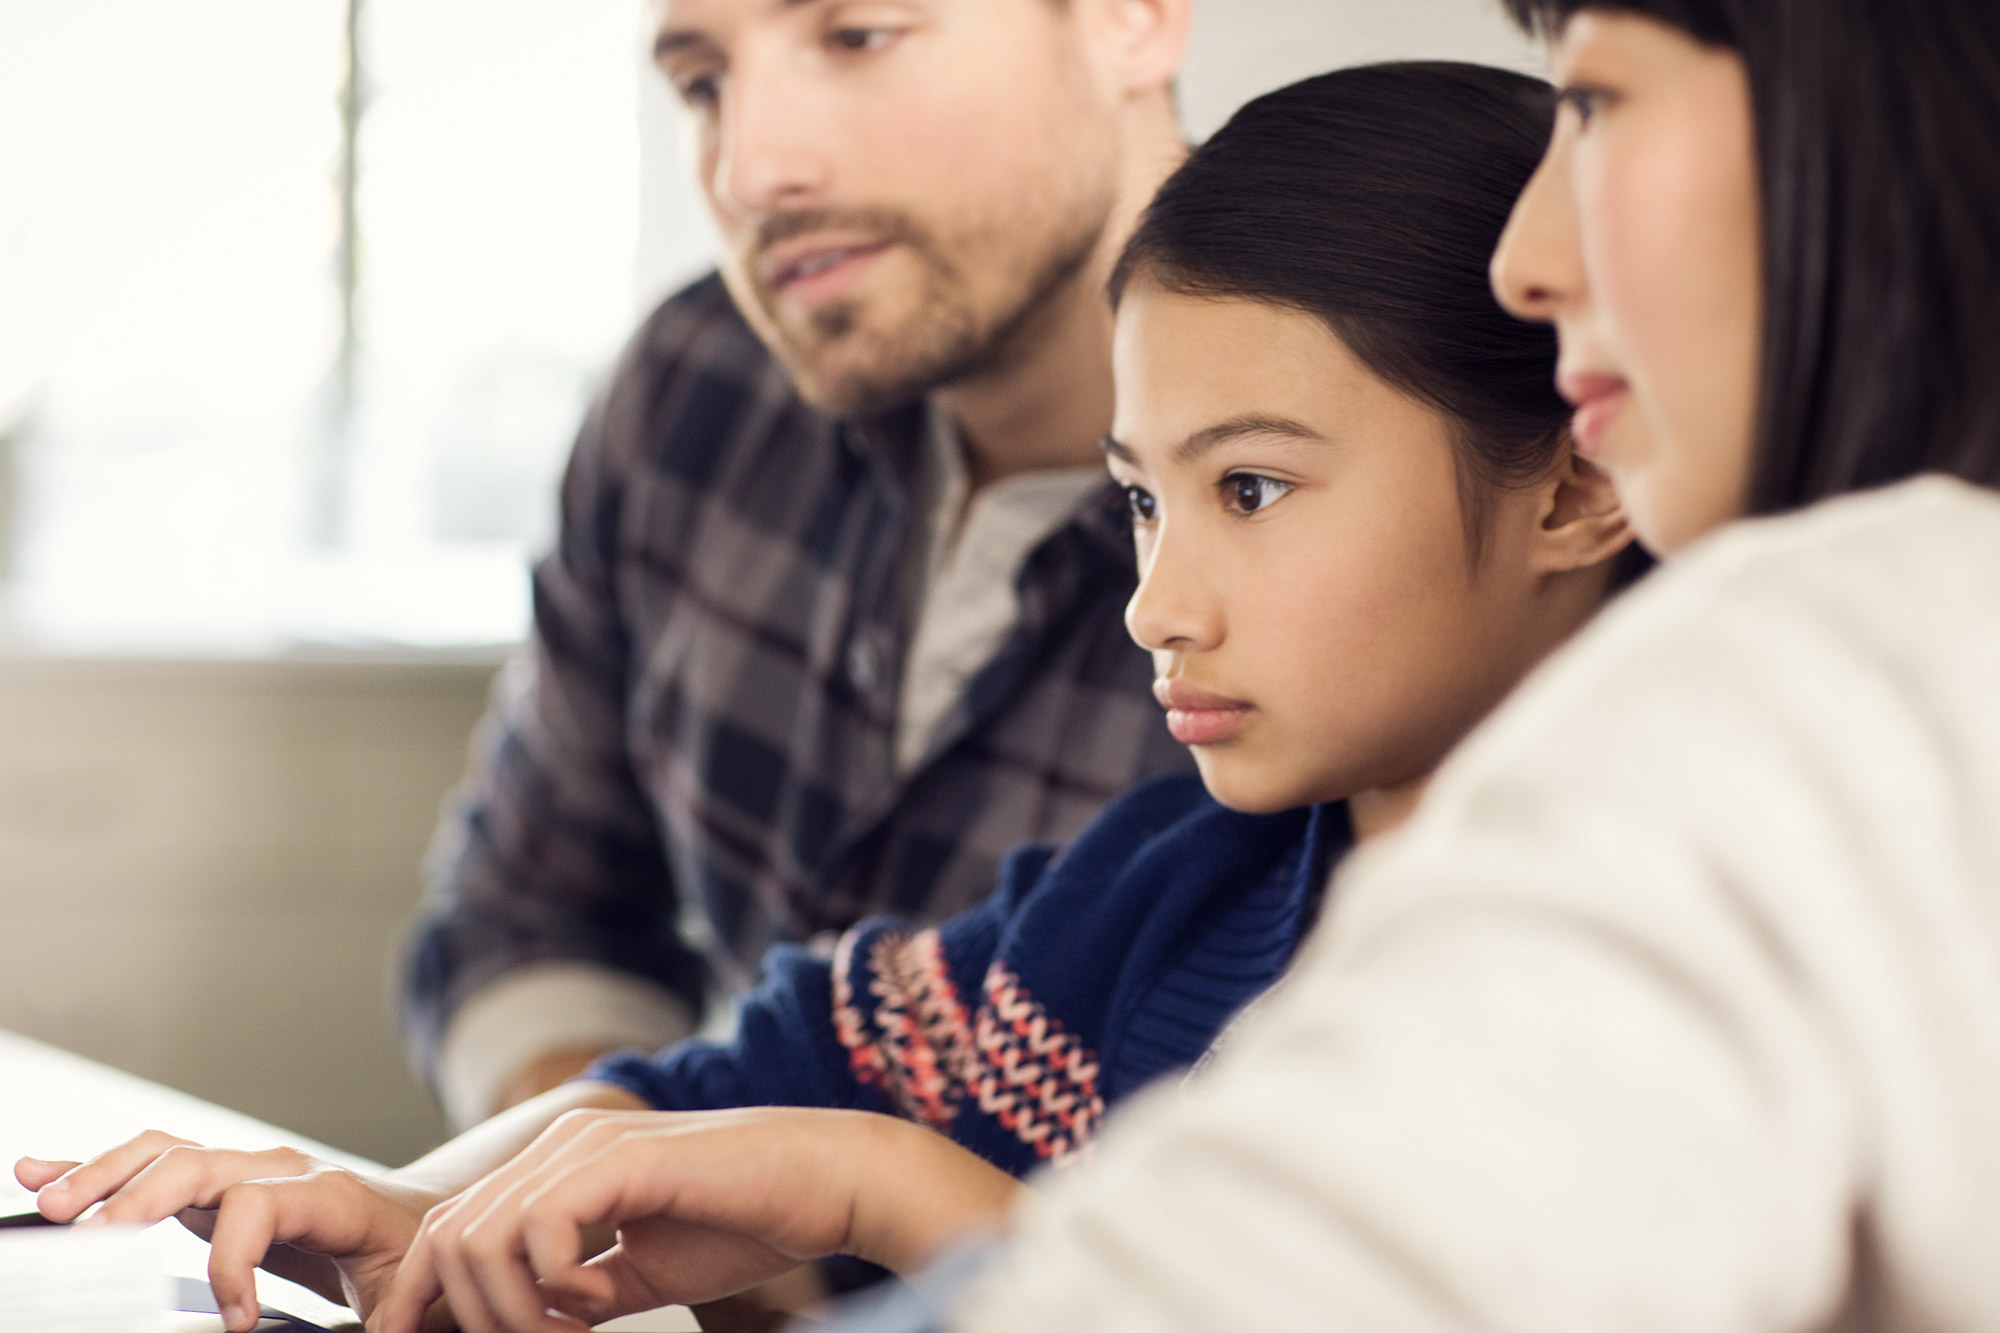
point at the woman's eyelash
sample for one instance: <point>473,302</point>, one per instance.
<point>1586,102</point>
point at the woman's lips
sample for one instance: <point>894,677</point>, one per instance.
<point>1598,399</point>
<point>1196,717</point>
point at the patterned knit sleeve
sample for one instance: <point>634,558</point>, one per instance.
<point>881,1026</point>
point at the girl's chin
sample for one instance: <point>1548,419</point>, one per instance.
<point>1239,785</point>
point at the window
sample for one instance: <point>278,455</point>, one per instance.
<point>249,397</point>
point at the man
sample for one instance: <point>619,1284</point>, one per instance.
<point>833,620</point>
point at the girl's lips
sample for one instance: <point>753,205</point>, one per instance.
<point>1196,717</point>
<point>1206,726</point>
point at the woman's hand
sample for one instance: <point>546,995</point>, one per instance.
<point>706,1204</point>
<point>335,1231</point>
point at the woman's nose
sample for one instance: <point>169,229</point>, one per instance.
<point>1537,267</point>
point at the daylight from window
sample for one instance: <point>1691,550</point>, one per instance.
<point>283,366</point>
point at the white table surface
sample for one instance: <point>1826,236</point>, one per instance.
<point>57,1105</point>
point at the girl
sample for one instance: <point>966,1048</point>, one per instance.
<point>1359,524</point>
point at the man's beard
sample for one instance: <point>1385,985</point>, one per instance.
<point>846,366</point>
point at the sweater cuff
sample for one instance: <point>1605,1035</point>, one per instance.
<point>635,1072</point>
<point>508,1024</point>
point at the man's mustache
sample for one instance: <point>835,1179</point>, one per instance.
<point>880,225</point>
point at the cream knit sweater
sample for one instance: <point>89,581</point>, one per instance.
<point>1677,1007</point>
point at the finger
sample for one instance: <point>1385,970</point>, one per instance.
<point>553,1244</point>
<point>63,1199</point>
<point>482,1276</point>
<point>201,1221</point>
<point>411,1291</point>
<point>494,1255</point>
<point>245,1226</point>
<point>601,1290</point>
<point>188,1177</point>
<point>34,1172</point>
<point>461,1291</point>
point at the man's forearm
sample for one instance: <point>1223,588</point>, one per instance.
<point>545,1073</point>
<point>534,1026</point>
<point>485,1147</point>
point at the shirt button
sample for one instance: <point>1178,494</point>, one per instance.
<point>865,671</point>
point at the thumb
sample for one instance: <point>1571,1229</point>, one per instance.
<point>603,1289</point>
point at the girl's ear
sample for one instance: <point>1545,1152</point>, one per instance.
<point>1582,523</point>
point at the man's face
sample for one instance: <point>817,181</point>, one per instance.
<point>900,185</point>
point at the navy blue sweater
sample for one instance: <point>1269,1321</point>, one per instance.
<point>1013,1026</point>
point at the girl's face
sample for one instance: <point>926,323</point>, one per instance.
<point>1306,591</point>
<point>1638,239</point>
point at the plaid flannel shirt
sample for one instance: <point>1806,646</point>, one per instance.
<point>692,760</point>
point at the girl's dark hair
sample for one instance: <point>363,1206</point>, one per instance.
<point>1878,148</point>
<point>1372,198</point>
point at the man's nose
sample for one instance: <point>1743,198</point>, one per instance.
<point>769,154</point>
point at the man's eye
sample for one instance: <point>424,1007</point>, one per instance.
<point>860,39</point>
<point>701,93</point>
<point>1141,503</point>
<point>1246,492</point>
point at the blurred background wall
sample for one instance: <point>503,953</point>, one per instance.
<point>220,760</point>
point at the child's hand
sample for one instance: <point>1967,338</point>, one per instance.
<point>327,1228</point>
<point>706,1204</point>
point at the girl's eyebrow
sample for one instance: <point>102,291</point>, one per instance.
<point>1208,437</point>
<point>1252,423</point>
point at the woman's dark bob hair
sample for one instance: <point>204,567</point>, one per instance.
<point>1372,199</point>
<point>1878,144</point>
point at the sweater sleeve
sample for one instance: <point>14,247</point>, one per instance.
<point>802,1040</point>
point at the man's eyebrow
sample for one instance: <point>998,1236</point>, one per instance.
<point>671,40</point>
<point>1251,423</point>
<point>1122,452</point>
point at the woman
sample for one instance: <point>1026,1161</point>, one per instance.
<point>1359,523</point>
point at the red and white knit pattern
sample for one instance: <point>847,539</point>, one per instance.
<point>1034,1078</point>
<point>1021,1067</point>
<point>922,1057</point>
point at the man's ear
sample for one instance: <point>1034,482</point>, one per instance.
<point>1582,523</point>
<point>1146,40</point>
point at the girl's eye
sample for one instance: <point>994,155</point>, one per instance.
<point>1142,504</point>
<point>1247,493</point>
